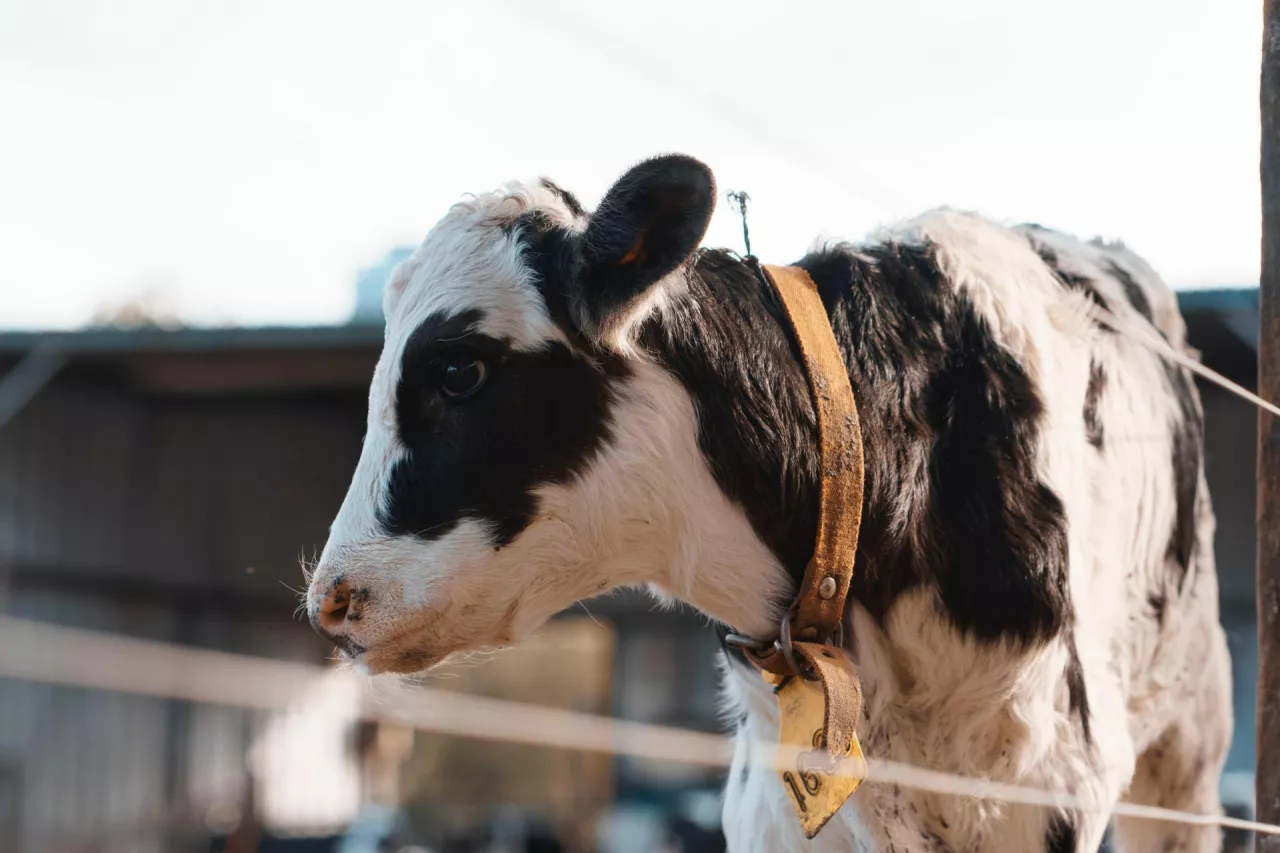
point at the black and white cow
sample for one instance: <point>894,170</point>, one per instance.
<point>569,402</point>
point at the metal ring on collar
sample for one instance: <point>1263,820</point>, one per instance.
<point>783,645</point>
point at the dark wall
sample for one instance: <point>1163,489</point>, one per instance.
<point>200,506</point>
<point>1230,466</point>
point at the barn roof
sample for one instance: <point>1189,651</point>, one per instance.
<point>105,341</point>
<point>1222,324</point>
<point>278,359</point>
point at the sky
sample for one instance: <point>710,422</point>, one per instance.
<point>241,161</point>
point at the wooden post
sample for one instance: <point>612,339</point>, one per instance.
<point>1267,791</point>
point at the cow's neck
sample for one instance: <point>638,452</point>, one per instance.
<point>722,337</point>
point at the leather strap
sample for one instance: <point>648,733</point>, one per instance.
<point>842,691</point>
<point>804,655</point>
<point>818,609</point>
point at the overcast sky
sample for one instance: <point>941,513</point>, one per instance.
<point>242,160</point>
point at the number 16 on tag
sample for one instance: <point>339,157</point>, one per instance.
<point>805,767</point>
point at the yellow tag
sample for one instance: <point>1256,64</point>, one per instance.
<point>807,776</point>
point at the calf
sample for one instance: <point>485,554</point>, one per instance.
<point>571,402</point>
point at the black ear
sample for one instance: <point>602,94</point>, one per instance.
<point>649,223</point>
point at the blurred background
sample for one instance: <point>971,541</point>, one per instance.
<point>200,203</point>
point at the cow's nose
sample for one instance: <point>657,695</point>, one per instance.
<point>340,605</point>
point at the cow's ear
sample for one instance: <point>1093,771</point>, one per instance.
<point>648,225</point>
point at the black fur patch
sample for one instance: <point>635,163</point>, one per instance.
<point>1092,396</point>
<point>539,418</point>
<point>1188,448</point>
<point>1132,290</point>
<point>570,200</point>
<point>950,424</point>
<point>1062,836</point>
<point>1077,696</point>
<point>1069,280</point>
<point>551,251</point>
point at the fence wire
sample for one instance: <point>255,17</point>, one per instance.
<point>1146,335</point>
<point>51,654</point>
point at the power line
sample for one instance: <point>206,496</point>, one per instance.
<point>661,74</point>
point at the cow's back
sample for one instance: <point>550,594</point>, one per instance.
<point>1035,598</point>
<point>1152,523</point>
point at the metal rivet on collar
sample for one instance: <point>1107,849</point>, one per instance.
<point>827,589</point>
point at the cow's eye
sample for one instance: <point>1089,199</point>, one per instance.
<point>462,373</point>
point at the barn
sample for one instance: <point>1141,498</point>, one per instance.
<point>164,483</point>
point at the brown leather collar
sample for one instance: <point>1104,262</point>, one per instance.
<point>817,613</point>
<point>822,723</point>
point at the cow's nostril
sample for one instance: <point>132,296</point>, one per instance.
<point>334,608</point>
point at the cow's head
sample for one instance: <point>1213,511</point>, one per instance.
<point>521,454</point>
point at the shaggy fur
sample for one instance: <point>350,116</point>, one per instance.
<point>1034,596</point>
